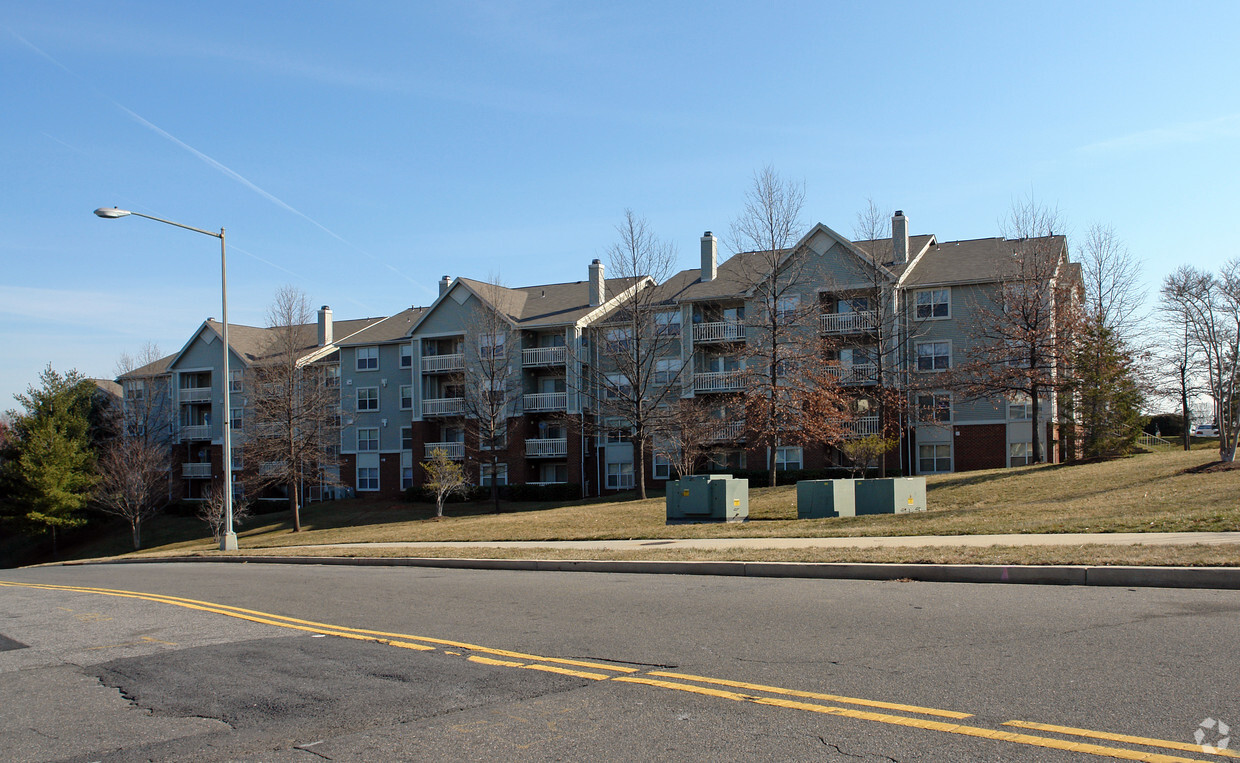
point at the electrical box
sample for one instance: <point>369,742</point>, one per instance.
<point>817,499</point>
<point>894,495</point>
<point>707,498</point>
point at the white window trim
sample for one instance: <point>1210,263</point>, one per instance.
<point>800,460</point>
<point>932,316</point>
<point>655,462</point>
<point>951,407</point>
<point>358,402</point>
<point>1027,458</point>
<point>406,355</point>
<point>951,455</point>
<point>402,389</point>
<point>501,471</point>
<point>357,360</point>
<point>358,479</point>
<point>359,439</point>
<point>917,357</point>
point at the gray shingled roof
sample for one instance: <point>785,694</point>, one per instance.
<point>973,261</point>
<point>251,343</point>
<point>150,369</point>
<point>391,329</point>
<point>555,304</point>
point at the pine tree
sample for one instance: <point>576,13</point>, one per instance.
<point>1107,391</point>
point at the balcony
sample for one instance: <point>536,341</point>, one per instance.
<point>196,471</point>
<point>721,331</point>
<point>454,450</point>
<point>550,448</point>
<point>542,402</point>
<point>442,364</point>
<point>864,427</point>
<point>196,432</point>
<point>719,381</point>
<point>865,373</point>
<point>849,323</point>
<point>195,394</point>
<point>728,431</point>
<point>544,356</point>
<point>444,406</point>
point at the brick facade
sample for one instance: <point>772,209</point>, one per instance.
<point>980,446</point>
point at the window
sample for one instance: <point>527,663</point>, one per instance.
<point>934,303</point>
<point>662,468</point>
<point>1020,454</point>
<point>406,396</point>
<point>620,476</point>
<point>406,438</point>
<point>934,458</point>
<point>553,473</point>
<point>665,371</point>
<point>934,356</point>
<point>617,340</point>
<point>368,398</point>
<point>1020,411</point>
<point>368,358</point>
<point>667,324</point>
<point>406,478</point>
<point>367,478</point>
<point>497,440</point>
<point>726,459</point>
<point>786,307</point>
<point>367,439</point>
<point>234,381</point>
<point>500,477</point>
<point>406,356</point>
<point>238,460</point>
<point>236,419</point>
<point>934,406</point>
<point>617,386</point>
<point>332,378</point>
<point>788,458</point>
<point>135,390</point>
<point>491,345</point>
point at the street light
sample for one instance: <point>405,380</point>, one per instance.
<point>228,541</point>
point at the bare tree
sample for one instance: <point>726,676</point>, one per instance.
<point>491,382</point>
<point>783,356</point>
<point>293,427</point>
<point>1212,306</point>
<point>1111,279</point>
<point>443,478</point>
<point>688,431</point>
<point>133,481</point>
<point>640,365</point>
<point>1178,372</point>
<point>211,511</point>
<point>1023,339</point>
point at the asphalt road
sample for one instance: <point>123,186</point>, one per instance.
<point>274,662</point>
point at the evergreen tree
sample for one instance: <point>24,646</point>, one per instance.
<point>49,466</point>
<point>1107,391</point>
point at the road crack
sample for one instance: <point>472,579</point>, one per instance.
<point>846,754</point>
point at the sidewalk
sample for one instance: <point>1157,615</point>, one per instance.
<point>915,541</point>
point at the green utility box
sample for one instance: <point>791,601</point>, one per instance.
<point>707,498</point>
<point>825,498</point>
<point>895,495</point>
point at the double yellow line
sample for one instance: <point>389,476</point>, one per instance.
<point>926,718</point>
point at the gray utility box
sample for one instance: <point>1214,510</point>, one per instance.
<point>895,495</point>
<point>825,498</point>
<point>707,498</point>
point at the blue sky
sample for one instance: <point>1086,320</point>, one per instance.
<point>359,151</point>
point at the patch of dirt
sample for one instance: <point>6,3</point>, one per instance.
<point>1212,467</point>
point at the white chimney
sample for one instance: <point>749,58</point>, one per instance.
<point>444,283</point>
<point>710,257</point>
<point>325,326</point>
<point>596,284</point>
<point>899,238</point>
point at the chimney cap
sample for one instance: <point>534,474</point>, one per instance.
<point>596,261</point>
<point>707,233</point>
<point>899,213</point>
<point>325,307</point>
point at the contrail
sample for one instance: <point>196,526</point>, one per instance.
<point>215,164</point>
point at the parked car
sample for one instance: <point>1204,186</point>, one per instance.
<point>1205,430</point>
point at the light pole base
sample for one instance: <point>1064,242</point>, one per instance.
<point>228,542</point>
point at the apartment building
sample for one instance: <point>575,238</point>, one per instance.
<point>900,312</point>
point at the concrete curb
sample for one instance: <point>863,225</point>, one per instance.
<point>1132,577</point>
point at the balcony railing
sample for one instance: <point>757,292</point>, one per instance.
<point>721,331</point>
<point>864,426</point>
<point>443,406</point>
<point>545,401</point>
<point>544,356</point>
<point>196,432</point>
<point>728,431</point>
<point>454,450</point>
<point>195,394</point>
<point>551,448</point>
<point>854,374</point>
<point>196,471</point>
<point>847,323</point>
<point>438,364</point>
<point>718,381</point>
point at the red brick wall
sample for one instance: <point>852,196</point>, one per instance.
<point>980,446</point>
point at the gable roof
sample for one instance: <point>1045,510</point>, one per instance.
<point>391,329</point>
<point>543,305</point>
<point>154,368</point>
<point>979,260</point>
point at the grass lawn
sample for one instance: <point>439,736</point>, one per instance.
<point>1143,493</point>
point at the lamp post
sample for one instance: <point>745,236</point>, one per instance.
<point>228,541</point>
